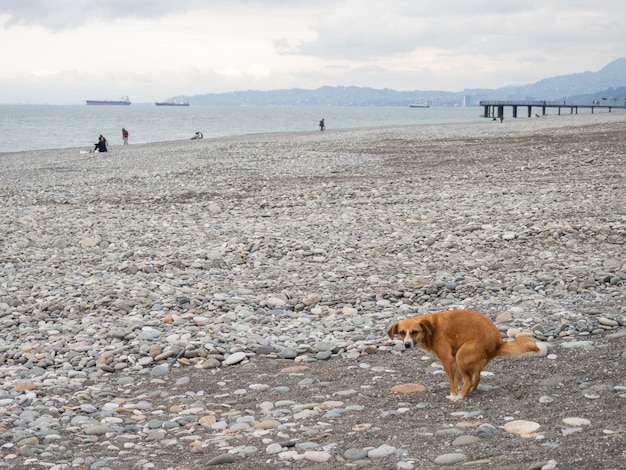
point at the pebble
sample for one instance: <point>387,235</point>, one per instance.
<point>521,427</point>
<point>450,459</point>
<point>221,460</point>
<point>576,344</point>
<point>405,389</point>
<point>465,440</point>
<point>234,358</point>
<point>576,421</point>
<point>487,431</point>
<point>381,452</point>
<point>273,449</point>
<point>116,274</point>
<point>317,456</point>
<point>355,454</point>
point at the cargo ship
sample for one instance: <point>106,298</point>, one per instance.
<point>121,102</point>
<point>172,103</point>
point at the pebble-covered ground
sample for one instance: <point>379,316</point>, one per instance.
<point>225,302</point>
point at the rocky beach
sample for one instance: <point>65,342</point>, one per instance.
<point>225,302</point>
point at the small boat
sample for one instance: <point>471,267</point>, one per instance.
<point>172,103</point>
<point>121,102</point>
<point>420,104</point>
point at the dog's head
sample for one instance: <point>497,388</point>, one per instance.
<point>414,332</point>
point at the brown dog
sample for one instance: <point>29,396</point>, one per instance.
<point>463,340</point>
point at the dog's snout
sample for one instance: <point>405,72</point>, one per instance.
<point>408,344</point>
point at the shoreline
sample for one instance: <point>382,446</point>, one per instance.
<point>510,124</point>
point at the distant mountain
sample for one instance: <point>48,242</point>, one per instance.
<point>609,83</point>
<point>324,96</point>
<point>578,84</point>
<point>609,96</point>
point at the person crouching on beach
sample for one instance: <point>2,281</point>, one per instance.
<point>125,136</point>
<point>101,145</point>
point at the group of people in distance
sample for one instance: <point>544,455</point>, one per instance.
<point>102,144</point>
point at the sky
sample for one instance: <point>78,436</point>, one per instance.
<point>67,51</point>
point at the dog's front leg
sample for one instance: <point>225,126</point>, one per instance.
<point>454,378</point>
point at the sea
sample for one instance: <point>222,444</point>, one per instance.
<point>36,127</point>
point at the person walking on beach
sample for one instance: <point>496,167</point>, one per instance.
<point>322,125</point>
<point>125,136</point>
<point>101,145</point>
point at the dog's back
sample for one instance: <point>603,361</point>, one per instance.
<point>466,327</point>
<point>456,328</point>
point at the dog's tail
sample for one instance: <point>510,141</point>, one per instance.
<point>518,347</point>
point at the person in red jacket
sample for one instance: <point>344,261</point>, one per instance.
<point>125,136</point>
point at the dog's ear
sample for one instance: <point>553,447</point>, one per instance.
<point>429,331</point>
<point>393,330</point>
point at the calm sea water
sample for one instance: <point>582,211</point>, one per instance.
<point>31,127</point>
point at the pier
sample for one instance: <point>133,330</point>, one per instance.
<point>495,109</point>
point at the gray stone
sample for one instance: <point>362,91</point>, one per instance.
<point>355,454</point>
<point>450,459</point>
<point>234,358</point>
<point>289,353</point>
<point>222,460</point>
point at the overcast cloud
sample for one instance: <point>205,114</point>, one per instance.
<point>66,51</point>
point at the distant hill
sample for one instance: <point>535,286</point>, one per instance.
<point>578,84</point>
<point>609,83</point>
<point>610,96</point>
<point>324,96</point>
